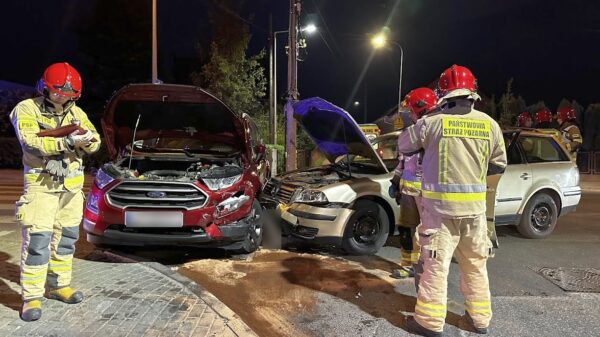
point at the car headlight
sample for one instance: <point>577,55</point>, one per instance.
<point>92,202</point>
<point>232,204</point>
<point>215,184</point>
<point>310,197</point>
<point>102,179</point>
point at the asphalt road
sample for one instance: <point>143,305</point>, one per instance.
<point>283,293</point>
<point>290,293</point>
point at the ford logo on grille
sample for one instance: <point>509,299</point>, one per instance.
<point>156,194</point>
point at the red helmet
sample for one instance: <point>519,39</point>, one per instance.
<point>524,119</point>
<point>566,113</point>
<point>457,81</point>
<point>543,115</point>
<point>420,100</point>
<point>62,79</point>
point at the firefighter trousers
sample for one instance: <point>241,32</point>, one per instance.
<point>49,229</point>
<point>440,238</point>
<point>410,210</point>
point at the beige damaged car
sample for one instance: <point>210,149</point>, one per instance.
<point>344,204</point>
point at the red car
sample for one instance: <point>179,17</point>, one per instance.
<point>185,170</point>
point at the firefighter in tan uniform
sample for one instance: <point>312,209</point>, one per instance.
<point>569,129</point>
<point>461,144</point>
<point>406,188</point>
<point>51,207</point>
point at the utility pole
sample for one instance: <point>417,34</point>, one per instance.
<point>272,107</point>
<point>292,94</point>
<point>154,45</point>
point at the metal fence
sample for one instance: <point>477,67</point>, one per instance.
<point>588,162</point>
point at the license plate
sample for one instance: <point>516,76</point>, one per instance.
<point>153,219</point>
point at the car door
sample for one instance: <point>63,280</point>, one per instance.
<point>515,183</point>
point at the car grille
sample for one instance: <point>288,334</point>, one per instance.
<point>159,194</point>
<point>280,191</point>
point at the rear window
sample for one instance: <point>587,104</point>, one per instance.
<point>541,149</point>
<point>192,117</point>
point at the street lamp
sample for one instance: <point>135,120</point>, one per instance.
<point>379,41</point>
<point>309,29</point>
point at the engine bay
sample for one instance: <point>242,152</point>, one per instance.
<point>163,169</point>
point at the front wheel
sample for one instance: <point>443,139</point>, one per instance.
<point>255,232</point>
<point>366,230</point>
<point>539,217</point>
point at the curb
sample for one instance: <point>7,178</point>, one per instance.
<point>232,320</point>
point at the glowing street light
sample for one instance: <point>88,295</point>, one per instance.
<point>379,41</point>
<point>310,28</point>
<point>356,103</point>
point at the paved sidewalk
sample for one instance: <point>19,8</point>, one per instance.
<point>123,297</point>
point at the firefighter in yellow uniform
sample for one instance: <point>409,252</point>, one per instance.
<point>406,187</point>
<point>51,207</point>
<point>569,129</point>
<point>461,146</point>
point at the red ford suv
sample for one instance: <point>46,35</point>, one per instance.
<point>185,170</point>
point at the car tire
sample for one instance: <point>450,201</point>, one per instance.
<point>255,235</point>
<point>366,230</point>
<point>539,217</point>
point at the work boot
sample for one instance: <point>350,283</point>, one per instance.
<point>414,327</point>
<point>66,294</point>
<point>466,323</point>
<point>403,272</point>
<point>31,310</point>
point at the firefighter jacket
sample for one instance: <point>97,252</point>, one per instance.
<point>571,136</point>
<point>410,172</point>
<point>459,143</point>
<point>34,115</point>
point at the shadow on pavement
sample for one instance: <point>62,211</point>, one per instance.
<point>370,293</point>
<point>10,272</point>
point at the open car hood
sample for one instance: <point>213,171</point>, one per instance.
<point>333,130</point>
<point>169,111</point>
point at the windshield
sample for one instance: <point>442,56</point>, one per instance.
<point>386,148</point>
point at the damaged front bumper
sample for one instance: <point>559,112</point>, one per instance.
<point>213,236</point>
<point>323,224</point>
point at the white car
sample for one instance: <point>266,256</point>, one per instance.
<point>540,183</point>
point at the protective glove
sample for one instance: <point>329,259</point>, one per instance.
<point>393,191</point>
<point>57,168</point>
<point>76,140</point>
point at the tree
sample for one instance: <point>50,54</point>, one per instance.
<point>230,74</point>
<point>510,106</point>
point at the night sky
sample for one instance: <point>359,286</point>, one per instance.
<point>551,48</point>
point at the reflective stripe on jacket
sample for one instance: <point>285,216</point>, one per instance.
<point>459,144</point>
<point>32,116</point>
<point>571,136</point>
<point>410,172</point>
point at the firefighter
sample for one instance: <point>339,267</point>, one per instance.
<point>543,119</point>
<point>524,120</point>
<point>406,187</point>
<point>51,207</point>
<point>462,146</point>
<point>569,129</point>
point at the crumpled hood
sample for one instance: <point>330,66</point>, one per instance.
<point>333,130</point>
<point>315,177</point>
